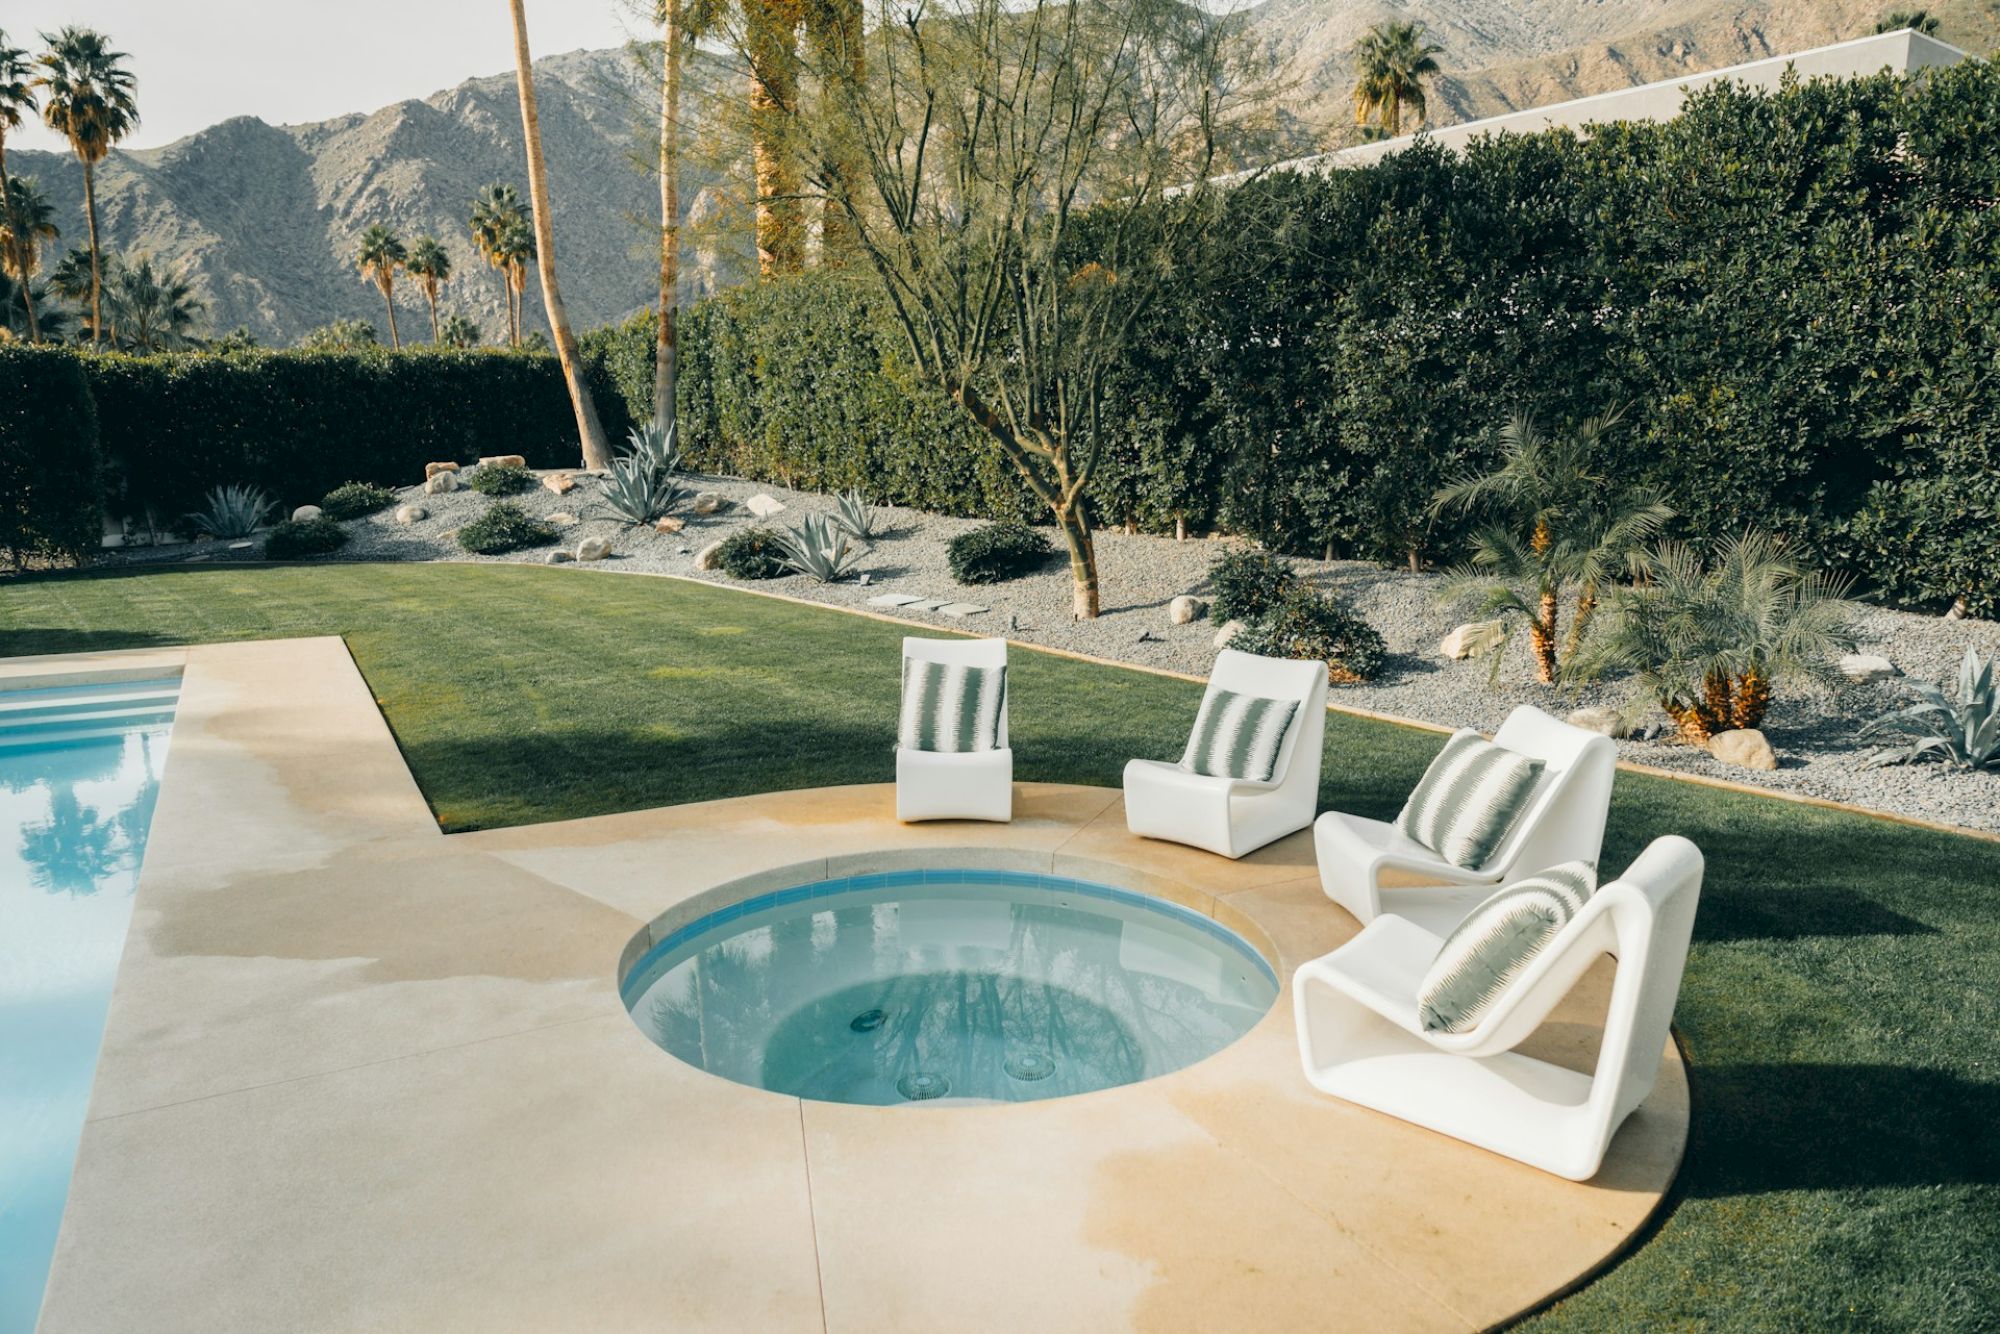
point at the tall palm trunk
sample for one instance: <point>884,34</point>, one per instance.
<point>20,246</point>
<point>437,334</point>
<point>389,303</point>
<point>96,272</point>
<point>837,42</point>
<point>772,33</point>
<point>1542,632</point>
<point>596,452</point>
<point>664,350</point>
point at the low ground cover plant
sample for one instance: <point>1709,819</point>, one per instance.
<point>752,553</point>
<point>1306,623</point>
<point>356,500</point>
<point>1249,582</point>
<point>500,479</point>
<point>504,527</point>
<point>295,539</point>
<point>996,552</point>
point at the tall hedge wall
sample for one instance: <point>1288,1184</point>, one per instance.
<point>50,487</point>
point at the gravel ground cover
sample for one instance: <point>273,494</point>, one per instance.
<point>1812,730</point>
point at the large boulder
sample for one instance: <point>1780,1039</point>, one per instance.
<point>1746,748</point>
<point>1474,639</point>
<point>560,483</point>
<point>1229,631</point>
<point>411,514</point>
<point>305,512</point>
<point>441,483</point>
<point>503,461</point>
<point>671,523</point>
<point>709,557</point>
<point>558,557</point>
<point>1863,668</point>
<point>433,469</point>
<point>708,502</point>
<point>764,506</point>
<point>1186,608</point>
<point>593,548</point>
<point>1607,722</point>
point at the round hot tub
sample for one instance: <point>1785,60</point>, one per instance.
<point>948,986</point>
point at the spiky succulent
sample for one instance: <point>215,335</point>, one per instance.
<point>819,549</point>
<point>656,446</point>
<point>232,511</point>
<point>1964,732</point>
<point>638,490</point>
<point>855,515</point>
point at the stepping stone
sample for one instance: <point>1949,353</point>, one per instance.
<point>893,599</point>
<point>960,610</point>
<point>924,604</point>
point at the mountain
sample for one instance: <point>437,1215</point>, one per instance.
<point>266,217</point>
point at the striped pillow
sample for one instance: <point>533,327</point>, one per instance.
<point>1489,949</point>
<point>1238,736</point>
<point>949,707</point>
<point>1471,796</point>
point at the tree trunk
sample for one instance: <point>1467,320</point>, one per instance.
<point>1753,699</point>
<point>1542,638</point>
<point>437,334</point>
<point>1586,607</point>
<point>20,244</point>
<point>96,274</point>
<point>1075,526</point>
<point>389,304</point>
<point>664,349</point>
<point>596,453</point>
<point>837,41</point>
<point>772,38</point>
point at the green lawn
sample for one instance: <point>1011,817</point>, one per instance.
<point>1841,1005</point>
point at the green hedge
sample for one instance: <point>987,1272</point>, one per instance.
<point>51,497</point>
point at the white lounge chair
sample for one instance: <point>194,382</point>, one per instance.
<point>1361,1039</point>
<point>964,785</point>
<point>1564,822</point>
<point>1229,816</point>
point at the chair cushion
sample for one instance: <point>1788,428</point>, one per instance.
<point>1238,736</point>
<point>1483,955</point>
<point>1469,799</point>
<point>951,708</point>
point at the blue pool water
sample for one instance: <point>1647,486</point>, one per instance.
<point>963,986</point>
<point>79,773</point>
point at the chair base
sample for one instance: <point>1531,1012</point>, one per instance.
<point>977,785</point>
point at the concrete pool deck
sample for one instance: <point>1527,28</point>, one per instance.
<point>362,1074</point>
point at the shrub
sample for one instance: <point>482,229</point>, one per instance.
<point>356,500</point>
<point>232,511</point>
<point>504,527</point>
<point>51,487</point>
<point>752,553</point>
<point>1306,623</point>
<point>295,539</point>
<point>500,479</point>
<point>996,552</point>
<point>1248,583</point>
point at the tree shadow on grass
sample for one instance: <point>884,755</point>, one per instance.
<point>35,641</point>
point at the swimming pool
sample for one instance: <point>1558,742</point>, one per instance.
<point>79,774</point>
<point>952,985</point>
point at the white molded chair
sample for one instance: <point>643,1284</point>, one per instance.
<point>1564,823</point>
<point>1361,1039</point>
<point>964,785</point>
<point>1163,800</point>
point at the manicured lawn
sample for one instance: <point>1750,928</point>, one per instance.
<point>1842,1005</point>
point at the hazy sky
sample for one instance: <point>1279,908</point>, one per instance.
<point>201,61</point>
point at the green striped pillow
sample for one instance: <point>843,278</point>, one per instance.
<point>1238,736</point>
<point>948,707</point>
<point>1471,796</point>
<point>1483,955</point>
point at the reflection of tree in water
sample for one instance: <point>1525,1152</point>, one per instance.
<point>78,847</point>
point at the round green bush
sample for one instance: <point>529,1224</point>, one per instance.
<point>752,553</point>
<point>497,479</point>
<point>997,551</point>
<point>356,500</point>
<point>1305,623</point>
<point>1248,583</point>
<point>504,527</point>
<point>295,539</point>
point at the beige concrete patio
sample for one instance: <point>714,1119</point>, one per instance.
<point>362,1075</point>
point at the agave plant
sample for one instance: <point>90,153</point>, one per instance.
<point>819,549</point>
<point>656,446</point>
<point>232,511</point>
<point>855,515</point>
<point>638,490</point>
<point>1964,732</point>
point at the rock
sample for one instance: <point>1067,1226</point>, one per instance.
<point>593,548</point>
<point>706,558</point>
<point>503,461</point>
<point>305,512</point>
<point>1473,639</point>
<point>1956,612</point>
<point>670,524</point>
<point>866,580</point>
<point>440,483</point>
<point>1746,748</point>
<point>709,503</point>
<point>558,557</point>
<point>563,519</point>
<point>561,483</point>
<point>433,469</point>
<point>1186,608</point>
<point>764,506</point>
<point>1862,668</point>
<point>1607,722</point>
<point>411,514</point>
<point>1229,631</point>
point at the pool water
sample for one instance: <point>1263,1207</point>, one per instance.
<point>948,987</point>
<point>79,774</point>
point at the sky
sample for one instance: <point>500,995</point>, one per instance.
<point>201,61</point>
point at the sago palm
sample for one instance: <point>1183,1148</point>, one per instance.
<point>1391,60</point>
<point>379,254</point>
<point>90,99</point>
<point>430,265</point>
<point>17,104</point>
<point>151,310</point>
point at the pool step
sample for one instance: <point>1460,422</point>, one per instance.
<point>84,713</point>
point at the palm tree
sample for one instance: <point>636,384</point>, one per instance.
<point>151,310</point>
<point>771,42</point>
<point>431,267</point>
<point>458,331</point>
<point>517,251</point>
<point>496,211</point>
<point>17,103</point>
<point>27,219</point>
<point>378,256</point>
<point>69,278</point>
<point>673,36</point>
<point>1916,20</point>
<point>1565,527</point>
<point>596,451</point>
<point>1391,60</point>
<point>90,102</point>
<point>52,322</point>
